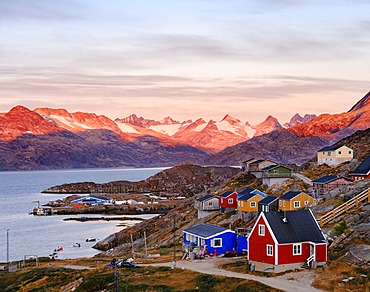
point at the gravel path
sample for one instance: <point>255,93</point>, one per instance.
<point>297,282</point>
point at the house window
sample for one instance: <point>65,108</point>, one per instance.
<point>329,153</point>
<point>283,203</point>
<point>276,171</point>
<point>230,201</point>
<point>297,204</point>
<point>217,242</point>
<point>202,242</point>
<point>339,152</point>
<point>187,237</point>
<point>253,204</point>
<point>280,203</point>
<point>261,230</point>
<point>269,250</point>
<point>297,249</point>
<point>306,202</point>
<point>349,152</point>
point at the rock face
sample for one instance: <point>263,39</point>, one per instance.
<point>20,120</point>
<point>184,180</point>
<point>281,146</point>
<point>338,126</point>
<point>93,148</point>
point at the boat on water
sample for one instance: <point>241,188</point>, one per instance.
<point>77,244</point>
<point>90,239</point>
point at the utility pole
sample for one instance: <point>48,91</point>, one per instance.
<point>116,277</point>
<point>7,248</point>
<point>174,241</point>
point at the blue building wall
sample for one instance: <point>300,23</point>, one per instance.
<point>242,244</point>
<point>90,201</point>
<point>228,243</point>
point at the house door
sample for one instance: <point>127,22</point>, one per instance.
<point>312,249</point>
<point>312,258</point>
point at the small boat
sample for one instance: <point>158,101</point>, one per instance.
<point>77,244</point>
<point>60,248</point>
<point>90,239</point>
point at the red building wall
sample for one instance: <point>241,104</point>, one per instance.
<point>257,250</point>
<point>286,254</point>
<point>224,202</point>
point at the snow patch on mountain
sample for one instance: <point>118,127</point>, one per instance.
<point>62,120</point>
<point>127,128</point>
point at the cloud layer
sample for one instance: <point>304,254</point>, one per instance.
<point>187,59</point>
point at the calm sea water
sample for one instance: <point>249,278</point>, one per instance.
<point>40,235</point>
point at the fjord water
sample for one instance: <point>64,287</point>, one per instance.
<point>40,235</point>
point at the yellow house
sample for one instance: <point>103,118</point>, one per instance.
<point>291,201</point>
<point>334,155</point>
<point>249,203</point>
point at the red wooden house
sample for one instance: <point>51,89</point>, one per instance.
<point>228,200</point>
<point>362,171</point>
<point>281,241</point>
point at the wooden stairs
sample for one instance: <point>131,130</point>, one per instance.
<point>345,207</point>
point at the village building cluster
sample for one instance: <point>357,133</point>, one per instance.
<point>284,234</point>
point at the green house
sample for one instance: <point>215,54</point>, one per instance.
<point>274,174</point>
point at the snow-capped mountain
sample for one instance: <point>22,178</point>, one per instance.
<point>270,124</point>
<point>214,136</point>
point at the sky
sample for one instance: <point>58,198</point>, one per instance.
<point>186,58</point>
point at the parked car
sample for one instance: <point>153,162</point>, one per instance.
<point>128,265</point>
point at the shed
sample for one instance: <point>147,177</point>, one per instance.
<point>269,203</point>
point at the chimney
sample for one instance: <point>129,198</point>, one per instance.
<point>285,220</point>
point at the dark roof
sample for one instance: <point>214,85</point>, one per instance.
<point>289,195</point>
<point>330,148</point>
<point>247,197</point>
<point>205,230</point>
<point>249,160</point>
<point>268,200</point>
<point>300,226</point>
<point>325,179</point>
<point>226,194</point>
<point>245,192</point>
<point>273,166</point>
<point>257,161</point>
<point>205,198</point>
<point>364,167</point>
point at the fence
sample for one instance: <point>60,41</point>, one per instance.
<point>345,207</point>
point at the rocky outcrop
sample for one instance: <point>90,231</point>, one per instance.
<point>184,180</point>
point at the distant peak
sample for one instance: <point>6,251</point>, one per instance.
<point>231,120</point>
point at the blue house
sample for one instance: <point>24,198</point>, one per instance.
<point>91,201</point>
<point>214,238</point>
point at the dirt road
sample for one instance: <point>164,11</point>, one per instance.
<point>297,282</point>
